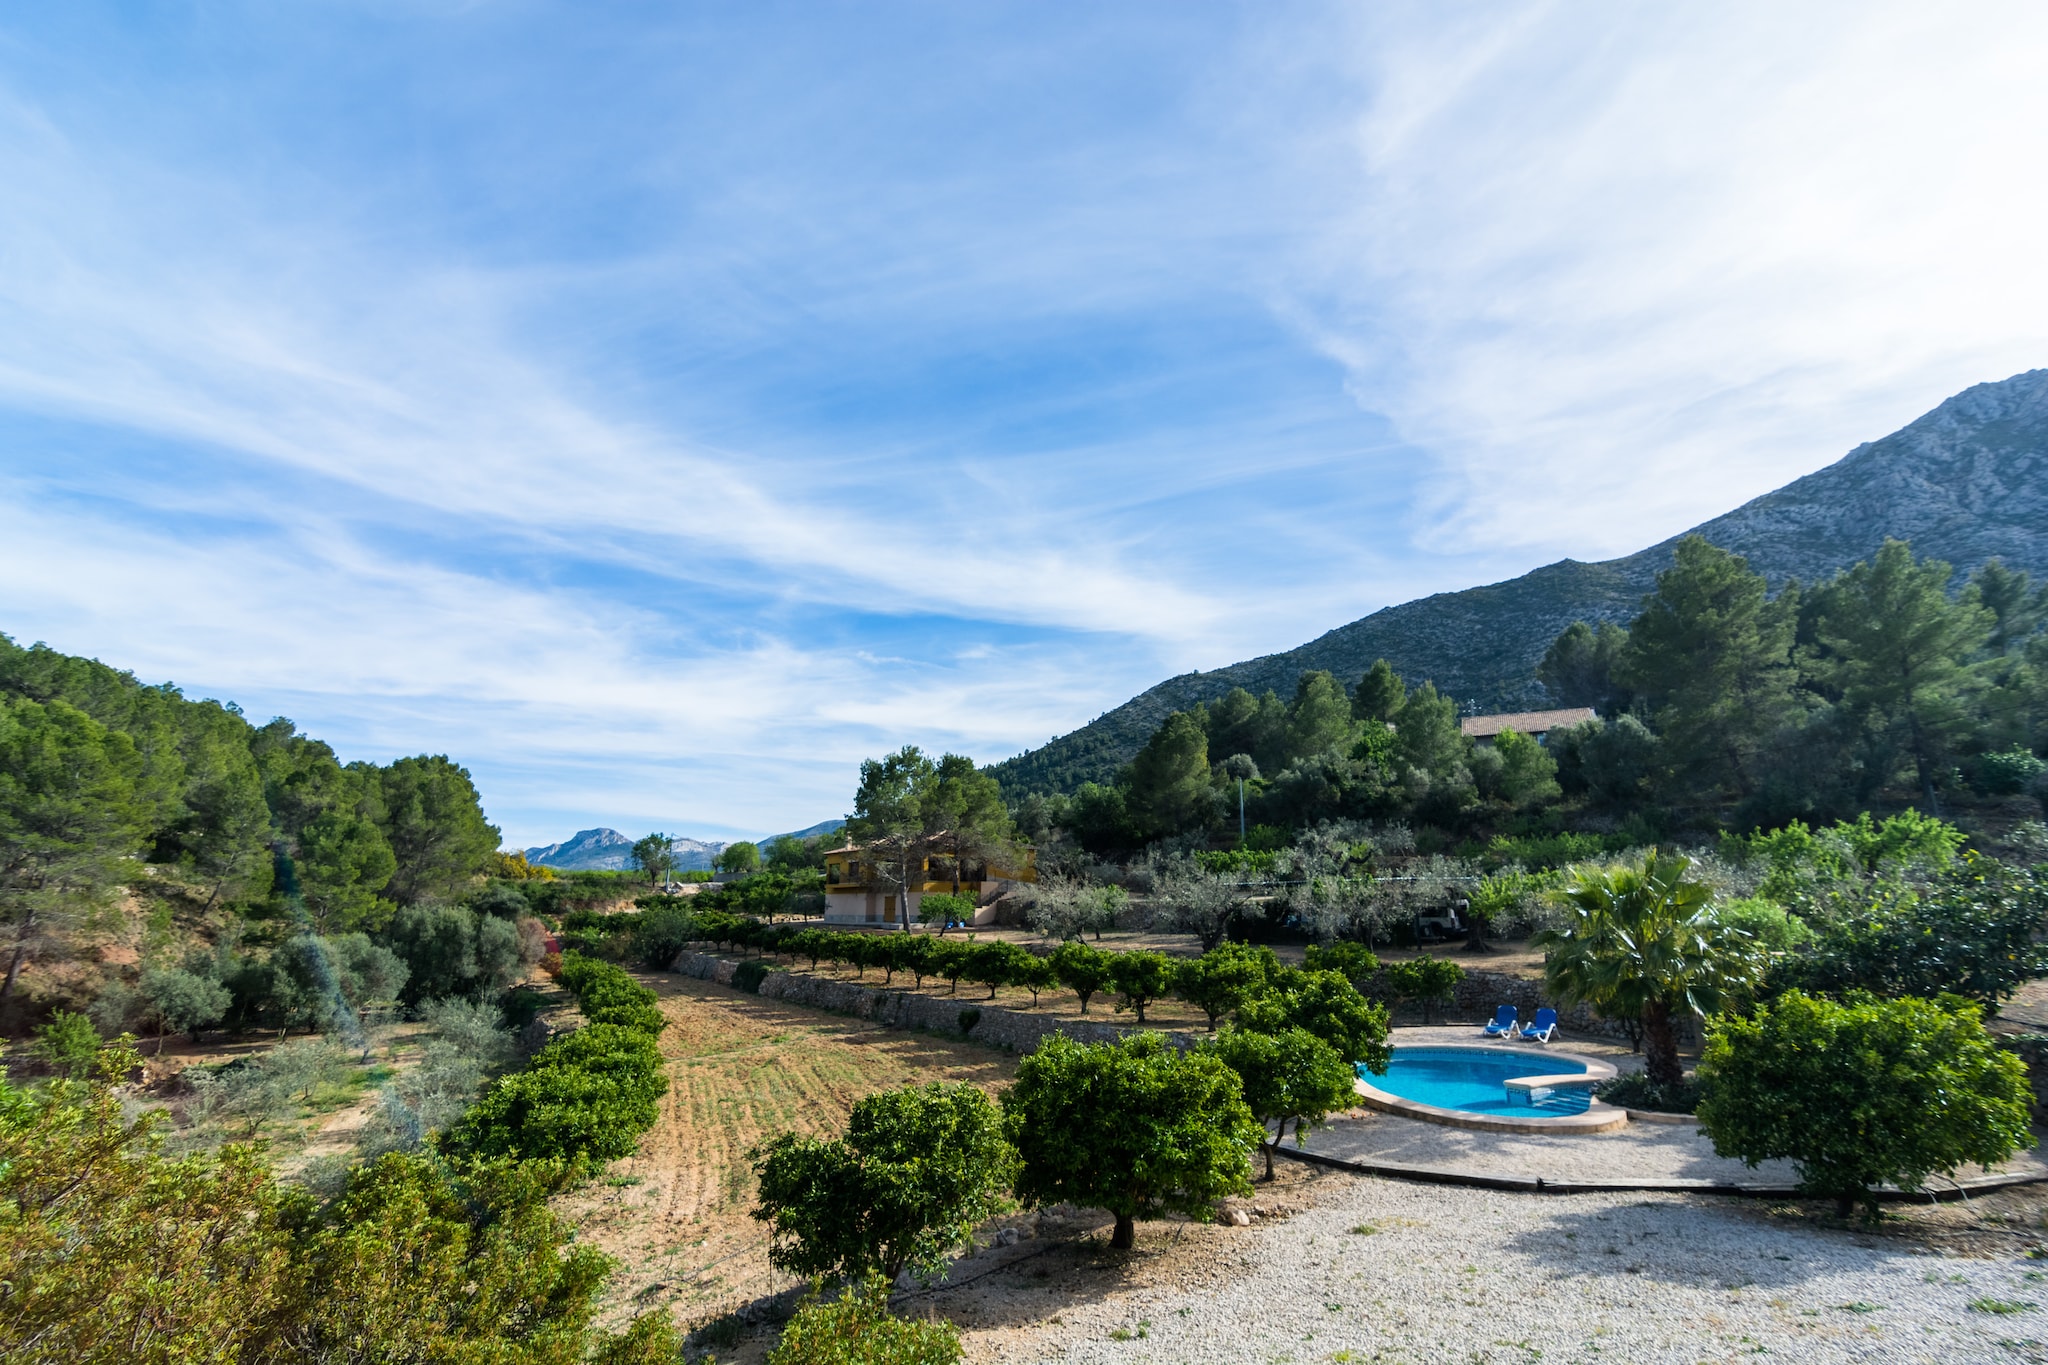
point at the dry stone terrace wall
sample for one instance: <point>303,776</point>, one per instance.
<point>1476,997</point>
<point>1017,1030</point>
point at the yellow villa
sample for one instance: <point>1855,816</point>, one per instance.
<point>855,895</point>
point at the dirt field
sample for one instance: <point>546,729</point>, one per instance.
<point>742,1069</point>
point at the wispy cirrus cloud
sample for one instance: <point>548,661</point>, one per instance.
<point>663,411</point>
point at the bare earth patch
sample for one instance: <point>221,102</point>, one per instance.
<point>741,1070</point>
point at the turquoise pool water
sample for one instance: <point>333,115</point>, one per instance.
<point>1474,1079</point>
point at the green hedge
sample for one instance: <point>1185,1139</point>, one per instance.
<point>587,1096</point>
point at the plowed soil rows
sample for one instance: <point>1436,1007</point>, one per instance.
<point>741,1070</point>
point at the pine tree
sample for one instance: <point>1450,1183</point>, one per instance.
<point>1712,653</point>
<point>1898,648</point>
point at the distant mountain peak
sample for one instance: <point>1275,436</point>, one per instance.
<point>607,850</point>
<point>1965,482</point>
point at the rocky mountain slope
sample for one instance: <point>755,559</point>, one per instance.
<point>1966,482</point>
<point>607,850</point>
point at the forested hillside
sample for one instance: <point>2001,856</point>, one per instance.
<point>244,860</point>
<point>1965,483</point>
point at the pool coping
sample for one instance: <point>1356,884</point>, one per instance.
<point>1599,1116</point>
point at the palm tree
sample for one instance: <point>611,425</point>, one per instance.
<point>1644,943</point>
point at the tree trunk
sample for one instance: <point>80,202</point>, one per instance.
<point>28,924</point>
<point>1660,1045</point>
<point>1126,1235</point>
<point>1845,1204</point>
<point>13,967</point>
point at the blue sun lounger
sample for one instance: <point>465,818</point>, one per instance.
<point>1544,1025</point>
<point>1503,1025</point>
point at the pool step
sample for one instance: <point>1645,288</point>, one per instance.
<point>1558,1094</point>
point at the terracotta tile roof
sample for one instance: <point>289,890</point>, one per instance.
<point>1524,722</point>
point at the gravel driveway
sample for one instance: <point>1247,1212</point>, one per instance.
<point>1449,1274</point>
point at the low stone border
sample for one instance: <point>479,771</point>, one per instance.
<point>1599,1117</point>
<point>1657,1116</point>
<point>1536,1184</point>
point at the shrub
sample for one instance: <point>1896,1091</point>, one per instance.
<point>1972,932</point>
<point>1133,1127</point>
<point>586,1096</point>
<point>660,935</point>
<point>1428,980</point>
<point>1545,851</point>
<point>2010,772</point>
<point>1238,862</point>
<point>68,1044</point>
<point>114,1252</point>
<point>1773,928</point>
<point>944,910</point>
<point>608,996</point>
<point>748,976</point>
<point>1637,1091</point>
<point>858,1329</point>
<point>1862,1094</point>
<point>917,1169</point>
<point>968,1018</point>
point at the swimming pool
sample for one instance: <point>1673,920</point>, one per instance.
<point>1474,1079</point>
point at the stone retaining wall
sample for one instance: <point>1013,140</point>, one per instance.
<point>1017,1030</point>
<point>1476,997</point>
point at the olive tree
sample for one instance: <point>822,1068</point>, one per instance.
<point>1287,1075</point>
<point>1134,1127</point>
<point>1863,1093</point>
<point>917,1169</point>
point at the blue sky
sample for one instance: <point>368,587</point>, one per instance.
<point>661,407</point>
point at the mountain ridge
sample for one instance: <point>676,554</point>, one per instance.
<point>607,850</point>
<point>1964,482</point>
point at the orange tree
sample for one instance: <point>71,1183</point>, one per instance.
<point>1134,1127</point>
<point>1863,1093</point>
<point>917,1169</point>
